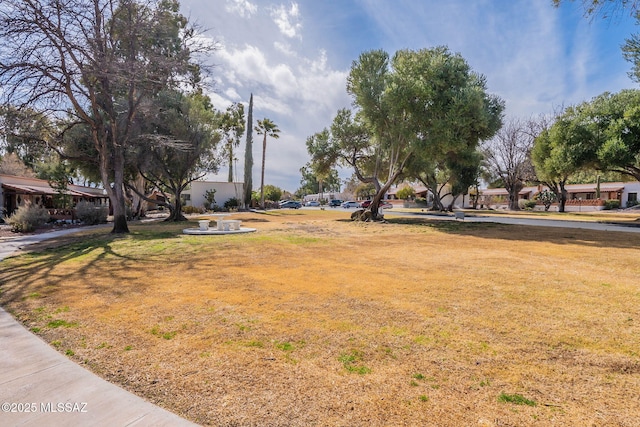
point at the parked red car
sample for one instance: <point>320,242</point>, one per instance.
<point>383,204</point>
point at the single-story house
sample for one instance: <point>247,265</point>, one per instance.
<point>16,191</point>
<point>194,194</point>
<point>580,197</point>
<point>463,201</point>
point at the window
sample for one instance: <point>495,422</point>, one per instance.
<point>633,197</point>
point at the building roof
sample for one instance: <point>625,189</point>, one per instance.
<point>36,186</point>
<point>42,190</point>
<point>588,188</point>
<point>571,188</point>
<point>504,192</point>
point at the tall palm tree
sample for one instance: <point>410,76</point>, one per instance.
<point>267,128</point>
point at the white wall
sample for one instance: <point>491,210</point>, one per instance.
<point>224,192</point>
<point>629,187</point>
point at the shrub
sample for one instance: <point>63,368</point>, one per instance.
<point>611,204</point>
<point>232,203</point>
<point>406,193</point>
<point>632,203</point>
<point>526,204</point>
<point>91,214</point>
<point>547,198</point>
<point>210,197</point>
<point>27,217</point>
<point>191,210</point>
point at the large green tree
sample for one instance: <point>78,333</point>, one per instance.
<point>606,133</point>
<point>27,133</point>
<point>554,163</point>
<point>412,108</point>
<point>177,145</point>
<point>266,127</point>
<point>99,61</point>
<point>310,182</point>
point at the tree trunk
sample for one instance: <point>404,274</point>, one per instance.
<point>514,192</point>
<point>563,198</point>
<point>138,204</point>
<point>230,177</point>
<point>453,201</point>
<point>437,201</point>
<point>115,191</point>
<point>176,210</point>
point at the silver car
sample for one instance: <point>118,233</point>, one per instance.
<point>350,204</point>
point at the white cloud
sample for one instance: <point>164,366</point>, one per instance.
<point>300,94</point>
<point>533,55</point>
<point>232,94</point>
<point>287,20</point>
<point>242,7</point>
<point>284,48</point>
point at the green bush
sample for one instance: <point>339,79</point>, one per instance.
<point>632,203</point>
<point>27,218</point>
<point>611,204</point>
<point>91,214</point>
<point>406,193</point>
<point>232,203</point>
<point>530,204</point>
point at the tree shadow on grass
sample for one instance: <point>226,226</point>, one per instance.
<point>556,235</point>
<point>38,265</point>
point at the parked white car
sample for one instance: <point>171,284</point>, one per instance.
<point>350,204</point>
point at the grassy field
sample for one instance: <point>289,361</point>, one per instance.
<point>316,320</point>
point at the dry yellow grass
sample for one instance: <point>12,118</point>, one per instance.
<point>315,320</point>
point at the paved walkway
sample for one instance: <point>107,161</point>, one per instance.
<point>533,222</point>
<point>41,387</point>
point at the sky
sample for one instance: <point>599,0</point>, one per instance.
<point>294,57</point>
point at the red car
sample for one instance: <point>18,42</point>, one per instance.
<point>383,204</point>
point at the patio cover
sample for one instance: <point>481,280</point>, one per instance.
<point>43,190</point>
<point>589,188</point>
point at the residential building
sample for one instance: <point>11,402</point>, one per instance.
<point>194,194</point>
<point>580,197</point>
<point>16,191</point>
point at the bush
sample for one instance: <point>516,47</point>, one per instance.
<point>406,193</point>
<point>27,218</point>
<point>232,203</point>
<point>530,204</point>
<point>611,204</point>
<point>191,210</point>
<point>91,214</point>
<point>632,203</point>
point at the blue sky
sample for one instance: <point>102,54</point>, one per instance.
<point>294,57</point>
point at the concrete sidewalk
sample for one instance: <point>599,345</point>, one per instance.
<point>41,387</point>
